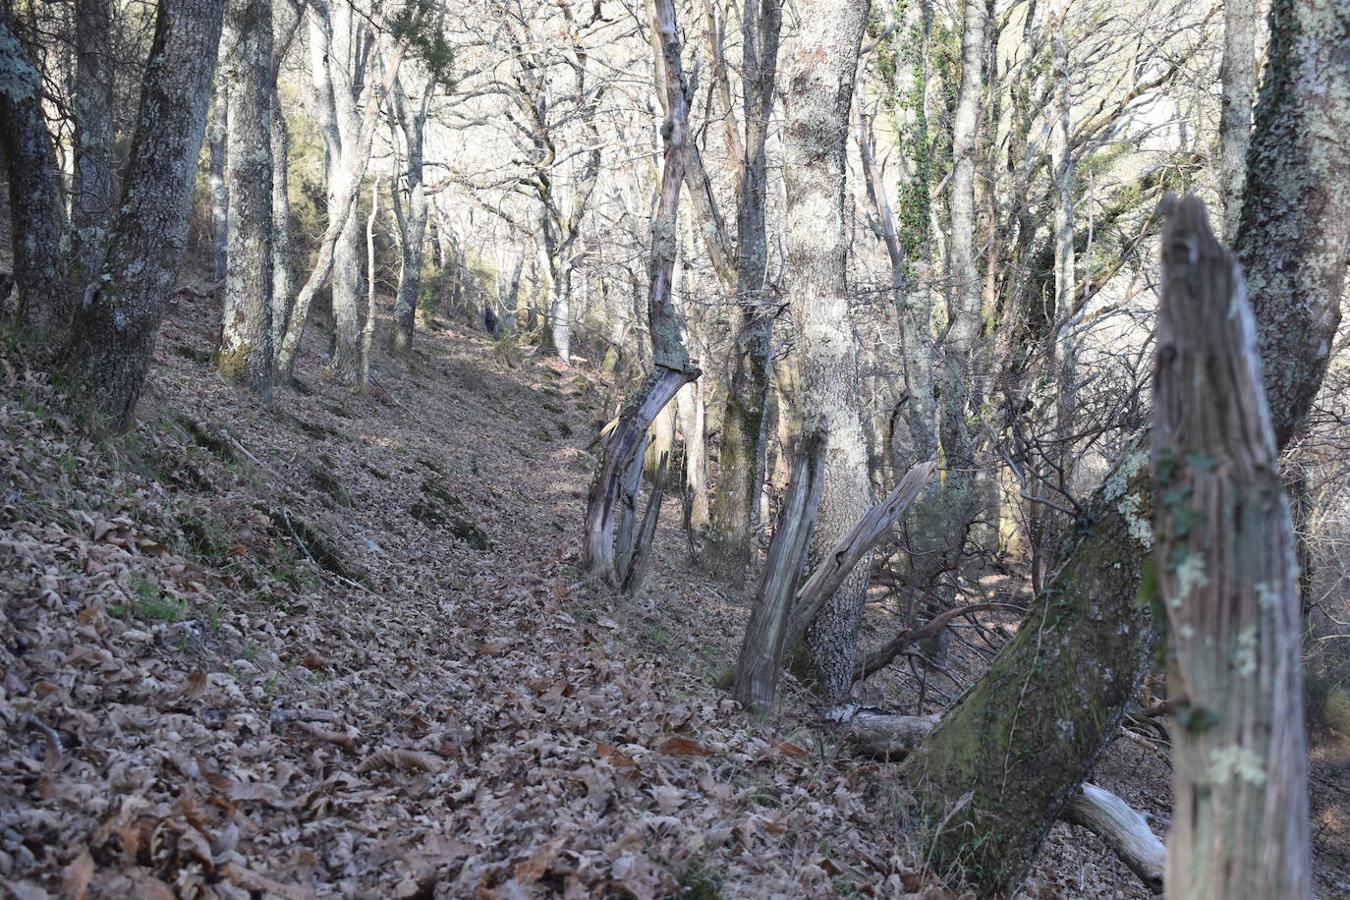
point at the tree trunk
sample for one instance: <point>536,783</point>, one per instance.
<point>36,199</point>
<point>671,367</point>
<point>217,137</point>
<point>368,330</point>
<point>93,198</point>
<point>761,655</point>
<point>740,457</point>
<point>1226,575</point>
<point>118,319</point>
<point>689,402</point>
<point>283,279</point>
<point>245,354</point>
<point>818,96</point>
<point>1295,225</point>
<point>1237,72</point>
<point>412,122</point>
<point>342,205</point>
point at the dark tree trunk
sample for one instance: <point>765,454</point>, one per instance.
<point>739,472</point>
<point>117,320</point>
<point>93,199</point>
<point>36,199</point>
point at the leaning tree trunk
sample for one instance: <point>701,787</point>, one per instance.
<point>36,198</point>
<point>92,199</point>
<point>671,370</point>
<point>1051,700</point>
<point>1226,575</point>
<point>245,354</point>
<point>818,94</point>
<point>118,318</point>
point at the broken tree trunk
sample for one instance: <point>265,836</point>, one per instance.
<point>777,625</point>
<point>762,648</point>
<point>1124,830</point>
<point>834,569</point>
<point>1226,573</point>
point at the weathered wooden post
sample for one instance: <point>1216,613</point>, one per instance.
<point>1226,572</point>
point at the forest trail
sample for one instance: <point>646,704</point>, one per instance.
<point>386,683</point>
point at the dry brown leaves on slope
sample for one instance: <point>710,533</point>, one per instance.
<point>198,702</point>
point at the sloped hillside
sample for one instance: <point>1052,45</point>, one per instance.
<point>342,648</point>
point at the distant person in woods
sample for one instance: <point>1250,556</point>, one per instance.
<point>490,319</point>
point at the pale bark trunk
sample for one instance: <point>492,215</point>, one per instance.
<point>118,318</point>
<point>1064,349</point>
<point>1237,73</point>
<point>245,353</point>
<point>283,279</point>
<point>368,330</point>
<point>412,122</point>
<point>689,402</point>
<point>93,199</point>
<point>1226,575</point>
<point>217,136</point>
<point>818,96</point>
<point>36,198</point>
<point>341,217</point>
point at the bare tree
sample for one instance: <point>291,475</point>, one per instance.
<point>621,458</point>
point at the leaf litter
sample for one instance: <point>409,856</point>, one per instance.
<point>217,682</point>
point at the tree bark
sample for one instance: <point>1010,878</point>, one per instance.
<point>1237,72</point>
<point>36,199</point>
<point>1226,575</point>
<point>217,138</point>
<point>93,198</point>
<point>412,216</point>
<point>245,354</point>
<point>740,456</point>
<point>118,319</point>
<point>283,278</point>
<point>671,367</point>
<point>818,95</point>
<point>1295,226</point>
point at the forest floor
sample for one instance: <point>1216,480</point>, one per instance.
<point>344,647</point>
